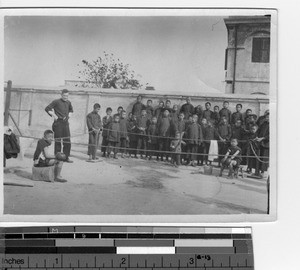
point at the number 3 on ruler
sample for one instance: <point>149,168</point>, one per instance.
<point>191,261</point>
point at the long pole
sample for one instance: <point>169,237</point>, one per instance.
<point>268,191</point>
<point>7,103</point>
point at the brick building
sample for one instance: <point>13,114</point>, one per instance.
<point>247,59</point>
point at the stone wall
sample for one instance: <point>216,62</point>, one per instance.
<point>83,99</point>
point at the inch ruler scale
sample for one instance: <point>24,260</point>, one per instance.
<point>126,248</point>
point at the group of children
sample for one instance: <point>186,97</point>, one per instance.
<point>182,135</point>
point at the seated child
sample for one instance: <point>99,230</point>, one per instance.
<point>232,159</point>
<point>176,148</point>
<point>43,158</point>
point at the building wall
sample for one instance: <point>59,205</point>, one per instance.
<point>250,77</point>
<point>82,101</point>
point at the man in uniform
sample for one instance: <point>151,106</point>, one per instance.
<point>61,110</point>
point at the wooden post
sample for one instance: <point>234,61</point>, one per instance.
<point>7,103</point>
<point>20,108</point>
<point>30,108</point>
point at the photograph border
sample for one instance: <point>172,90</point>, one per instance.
<point>160,219</point>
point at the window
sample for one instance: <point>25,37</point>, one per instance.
<point>261,50</point>
<point>226,59</point>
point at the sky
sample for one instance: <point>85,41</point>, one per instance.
<point>170,53</point>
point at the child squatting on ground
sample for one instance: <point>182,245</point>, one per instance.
<point>232,159</point>
<point>43,158</point>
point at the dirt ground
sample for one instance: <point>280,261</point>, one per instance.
<point>129,187</point>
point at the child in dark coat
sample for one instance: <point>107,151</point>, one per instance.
<point>149,109</point>
<point>264,146</point>
<point>164,126</point>
<point>215,118</point>
<point>187,108</point>
<point>194,138</point>
<point>237,115</point>
<point>208,113</point>
<point>138,106</point>
<point>199,112</point>
<point>158,113</point>
<point>106,122</point>
<point>142,124</point>
<point>224,134</point>
<point>252,148</point>
<point>209,134</point>
<point>225,112</point>
<point>123,134</point>
<point>94,124</point>
<point>152,133</point>
<point>175,147</point>
<point>113,136</point>
<point>132,131</point>
<point>237,131</point>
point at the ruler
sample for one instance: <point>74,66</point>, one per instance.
<point>131,247</point>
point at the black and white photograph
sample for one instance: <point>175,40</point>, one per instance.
<point>140,114</point>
